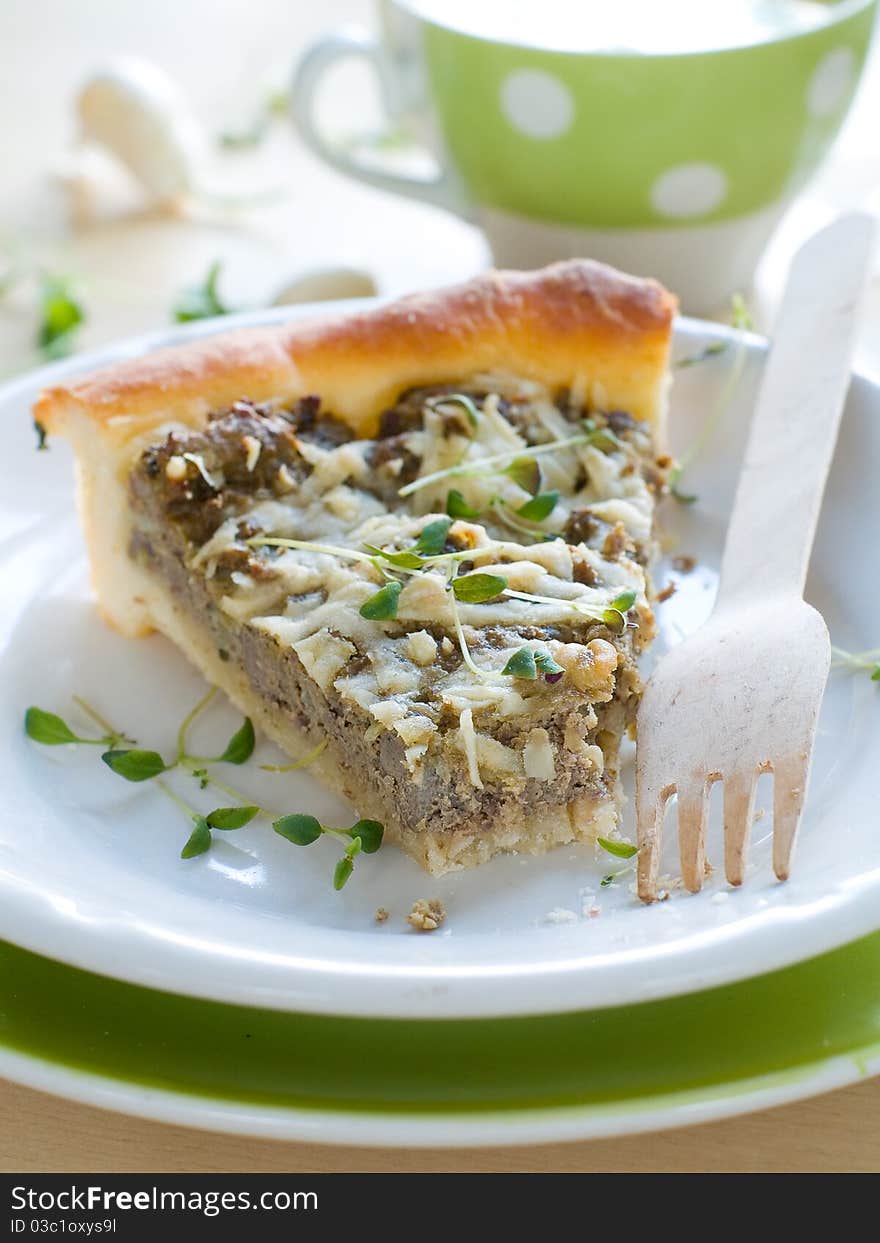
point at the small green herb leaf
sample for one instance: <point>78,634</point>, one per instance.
<point>231,817</point>
<point>548,666</point>
<point>407,560</point>
<point>457,506</point>
<point>620,850</point>
<point>875,676</point>
<point>275,104</point>
<point>135,765</point>
<point>522,664</point>
<point>60,316</point>
<point>741,316</point>
<point>607,880</point>
<point>199,840</point>
<point>475,588</point>
<point>525,472</point>
<point>342,872</point>
<point>602,438</point>
<point>614,620</point>
<point>383,605</point>
<point>539,507</point>
<point>299,829</point>
<point>243,139</point>
<point>47,728</point>
<point>709,351</point>
<point>433,537</point>
<point>466,403</point>
<point>683,498</point>
<point>614,616</point>
<point>624,602</point>
<point>370,833</point>
<point>240,746</point>
<point>42,443</point>
<point>201,301</point>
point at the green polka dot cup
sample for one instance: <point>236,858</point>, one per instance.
<point>653,153</point>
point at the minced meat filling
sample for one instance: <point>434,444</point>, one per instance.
<point>281,529</point>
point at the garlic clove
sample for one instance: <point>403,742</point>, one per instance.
<point>133,109</point>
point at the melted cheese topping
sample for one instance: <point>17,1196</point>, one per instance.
<point>407,676</point>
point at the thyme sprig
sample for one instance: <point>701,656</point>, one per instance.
<point>462,401</point>
<point>137,765</point>
<point>61,315</point>
<point>528,662</point>
<point>364,837</point>
<point>201,301</point>
<point>619,850</point>
<point>862,662</point>
<point>701,356</point>
<point>474,588</point>
<point>520,460</point>
<point>522,519</point>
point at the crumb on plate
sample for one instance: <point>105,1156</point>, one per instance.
<point>427,914</point>
<point>381,915</point>
<point>559,915</point>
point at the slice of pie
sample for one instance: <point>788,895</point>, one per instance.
<point>418,535</point>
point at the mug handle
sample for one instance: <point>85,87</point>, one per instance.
<point>443,190</point>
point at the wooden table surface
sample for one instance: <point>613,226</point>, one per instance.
<point>836,1133</point>
<point>131,262</point>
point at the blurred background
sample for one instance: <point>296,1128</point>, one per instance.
<point>90,253</point>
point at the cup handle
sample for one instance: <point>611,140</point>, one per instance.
<point>441,191</point>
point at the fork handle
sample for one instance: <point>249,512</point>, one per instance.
<point>796,420</point>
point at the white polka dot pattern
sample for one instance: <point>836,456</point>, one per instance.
<point>831,82</point>
<point>689,190</point>
<point>536,103</point>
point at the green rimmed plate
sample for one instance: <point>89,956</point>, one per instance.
<point>781,1036</point>
<point>455,1037</point>
<point>90,869</point>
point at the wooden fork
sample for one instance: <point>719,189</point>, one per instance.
<point>742,695</point>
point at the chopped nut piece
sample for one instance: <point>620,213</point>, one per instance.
<point>284,481</point>
<point>381,915</point>
<point>427,915</point>
<point>591,667</point>
<point>175,468</point>
<point>252,448</point>
<point>421,648</point>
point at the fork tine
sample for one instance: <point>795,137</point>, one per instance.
<point>789,790</point>
<point>649,824</point>
<point>693,810</point>
<point>739,808</point>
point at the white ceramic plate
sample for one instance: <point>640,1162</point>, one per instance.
<point>557,1125</point>
<point>89,866</point>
